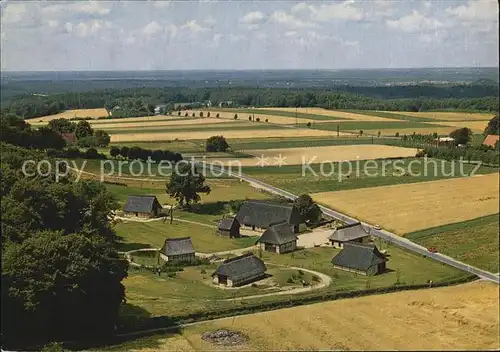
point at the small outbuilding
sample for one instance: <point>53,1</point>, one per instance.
<point>360,258</point>
<point>261,214</point>
<point>241,270</point>
<point>229,227</point>
<point>142,206</point>
<point>349,233</point>
<point>278,238</point>
<point>176,250</point>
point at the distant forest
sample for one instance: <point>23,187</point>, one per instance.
<point>473,97</point>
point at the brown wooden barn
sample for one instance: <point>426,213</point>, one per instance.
<point>364,259</point>
<point>241,270</point>
<point>349,233</point>
<point>229,227</point>
<point>176,250</point>
<point>142,206</point>
<point>261,214</point>
<point>278,238</point>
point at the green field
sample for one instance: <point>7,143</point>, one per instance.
<point>290,177</point>
<point>154,233</point>
<point>474,242</point>
<point>371,125</point>
<point>177,146</point>
<point>196,146</point>
<point>217,127</point>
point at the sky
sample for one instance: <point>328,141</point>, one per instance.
<point>232,35</point>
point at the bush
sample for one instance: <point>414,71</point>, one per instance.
<point>257,119</point>
<point>218,115</point>
<point>316,278</point>
<point>235,116</point>
<point>201,113</point>
<point>216,144</point>
<point>267,120</point>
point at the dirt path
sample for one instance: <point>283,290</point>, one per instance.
<point>325,282</point>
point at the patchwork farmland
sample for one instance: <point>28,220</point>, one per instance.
<point>419,205</point>
<point>442,318</point>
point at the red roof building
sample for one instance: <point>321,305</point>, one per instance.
<point>491,140</point>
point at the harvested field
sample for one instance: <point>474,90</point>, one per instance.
<point>446,115</point>
<point>285,132</point>
<point>461,317</point>
<point>167,127</point>
<point>276,119</point>
<point>70,114</point>
<point>475,126</point>
<point>333,114</point>
<point>315,155</point>
<point>408,131</point>
<point>411,207</point>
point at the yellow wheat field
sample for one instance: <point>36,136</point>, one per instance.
<point>69,114</point>
<point>416,206</point>
<point>285,132</point>
<point>446,115</point>
<point>276,119</point>
<point>334,113</point>
<point>315,155</point>
<point>391,132</point>
<point>463,317</point>
<point>475,126</point>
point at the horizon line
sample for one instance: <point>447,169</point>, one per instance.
<point>256,69</point>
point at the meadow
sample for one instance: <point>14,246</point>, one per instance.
<point>417,206</point>
<point>153,234</point>
<point>474,242</point>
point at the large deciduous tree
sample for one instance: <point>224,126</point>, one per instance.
<point>83,129</point>
<point>185,184</point>
<point>461,135</point>
<point>310,211</point>
<point>216,144</point>
<point>62,125</point>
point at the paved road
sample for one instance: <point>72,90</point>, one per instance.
<point>388,236</point>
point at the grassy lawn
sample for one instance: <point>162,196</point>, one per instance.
<point>290,177</point>
<point>154,233</point>
<point>411,268</point>
<point>474,242</point>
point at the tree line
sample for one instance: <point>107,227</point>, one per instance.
<point>141,101</point>
<point>135,152</point>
